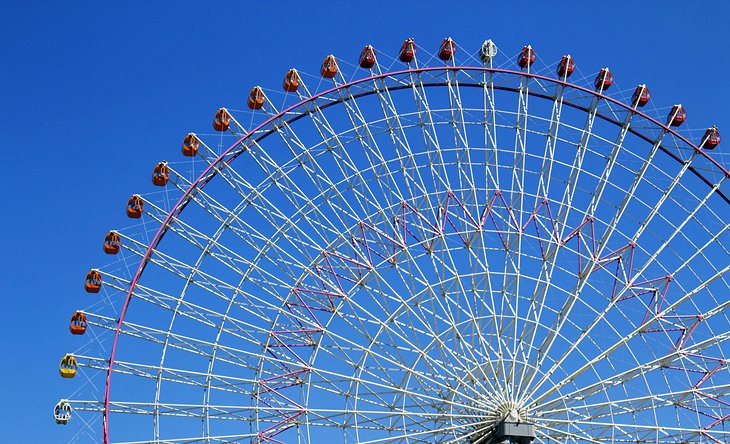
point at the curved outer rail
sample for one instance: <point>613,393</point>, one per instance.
<point>222,161</point>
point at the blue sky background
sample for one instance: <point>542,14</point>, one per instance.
<point>93,94</point>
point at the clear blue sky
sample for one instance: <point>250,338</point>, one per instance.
<point>93,95</point>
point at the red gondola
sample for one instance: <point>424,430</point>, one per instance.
<point>256,98</point>
<point>677,115</point>
<point>604,80</point>
<point>641,96</point>
<point>222,120</point>
<point>292,80</point>
<point>447,49</point>
<point>711,139</point>
<point>566,67</point>
<point>161,174</point>
<point>78,323</point>
<point>92,283</point>
<point>527,57</point>
<point>367,57</point>
<point>112,242</point>
<point>329,67</point>
<point>407,51</point>
<point>135,207</point>
<point>190,145</point>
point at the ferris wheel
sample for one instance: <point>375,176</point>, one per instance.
<point>433,248</point>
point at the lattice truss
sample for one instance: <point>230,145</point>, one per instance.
<point>409,257</point>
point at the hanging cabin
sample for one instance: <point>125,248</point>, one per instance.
<point>292,80</point>
<point>68,366</point>
<point>604,80</point>
<point>527,57</point>
<point>62,412</point>
<point>367,57</point>
<point>190,145</point>
<point>566,67</point>
<point>112,242</point>
<point>135,207</point>
<point>641,96</point>
<point>447,49</point>
<point>78,323</point>
<point>677,116</point>
<point>407,51</point>
<point>488,51</point>
<point>711,139</point>
<point>161,174</point>
<point>92,283</point>
<point>329,67</point>
<point>222,120</point>
<point>256,98</point>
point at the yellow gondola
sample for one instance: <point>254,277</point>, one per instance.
<point>68,366</point>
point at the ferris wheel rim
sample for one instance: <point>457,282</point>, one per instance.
<point>223,159</point>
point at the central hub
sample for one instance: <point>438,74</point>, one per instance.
<point>510,412</point>
<point>514,433</point>
<point>509,425</point>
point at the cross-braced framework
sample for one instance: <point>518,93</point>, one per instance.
<point>421,255</point>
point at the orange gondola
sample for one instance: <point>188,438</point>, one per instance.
<point>367,57</point>
<point>292,80</point>
<point>222,120</point>
<point>161,174</point>
<point>190,145</point>
<point>67,367</point>
<point>256,98</point>
<point>135,207</point>
<point>92,283</point>
<point>677,115</point>
<point>527,57</point>
<point>447,49</point>
<point>112,242</point>
<point>604,80</point>
<point>407,51</point>
<point>711,139</point>
<point>641,96</point>
<point>78,323</point>
<point>566,67</point>
<point>329,67</point>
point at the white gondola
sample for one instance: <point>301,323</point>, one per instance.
<point>62,412</point>
<point>488,51</point>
